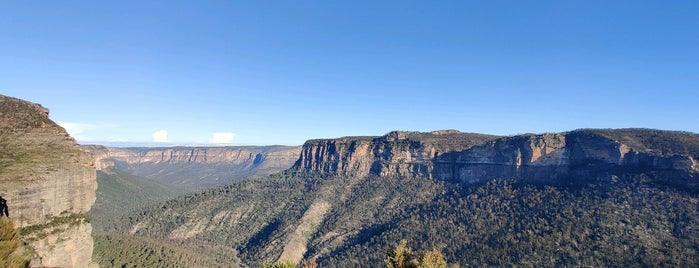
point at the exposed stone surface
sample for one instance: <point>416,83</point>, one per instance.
<point>470,158</point>
<point>101,155</point>
<point>68,245</point>
<point>398,153</point>
<point>296,246</point>
<point>45,174</point>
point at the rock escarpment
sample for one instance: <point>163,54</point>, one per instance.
<point>49,182</point>
<point>197,166</point>
<point>395,154</point>
<point>666,156</point>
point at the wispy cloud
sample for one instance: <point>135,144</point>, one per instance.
<point>115,139</point>
<point>222,137</point>
<point>160,136</point>
<point>80,131</point>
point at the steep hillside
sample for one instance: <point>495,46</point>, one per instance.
<point>49,183</point>
<point>582,198</point>
<point>197,167</point>
<point>129,251</point>
<point>119,193</point>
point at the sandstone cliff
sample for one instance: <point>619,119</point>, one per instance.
<point>49,183</point>
<point>397,153</point>
<point>669,157</point>
<point>197,166</point>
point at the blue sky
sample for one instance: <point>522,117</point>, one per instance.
<point>282,72</point>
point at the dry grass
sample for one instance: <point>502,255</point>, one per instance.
<point>11,255</point>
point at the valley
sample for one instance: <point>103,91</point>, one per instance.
<point>580,198</point>
<point>196,167</point>
<point>324,134</point>
<point>588,197</point>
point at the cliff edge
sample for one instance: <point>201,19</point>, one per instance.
<point>668,157</point>
<point>49,183</point>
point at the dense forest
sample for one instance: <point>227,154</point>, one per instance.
<point>621,221</point>
<point>132,251</point>
<point>503,222</point>
<point>120,193</point>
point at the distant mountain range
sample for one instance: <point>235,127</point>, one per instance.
<point>592,197</point>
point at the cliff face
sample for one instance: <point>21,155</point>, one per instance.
<point>197,166</point>
<point>395,154</point>
<point>49,183</point>
<point>669,157</point>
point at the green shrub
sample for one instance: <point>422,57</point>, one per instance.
<point>279,264</point>
<point>403,257</point>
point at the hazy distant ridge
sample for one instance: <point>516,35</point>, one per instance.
<point>197,167</point>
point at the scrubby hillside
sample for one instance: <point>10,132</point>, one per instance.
<point>119,193</point>
<point>130,251</point>
<point>583,198</point>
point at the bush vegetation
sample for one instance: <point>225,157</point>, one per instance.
<point>129,251</point>
<point>120,193</point>
<point>613,217</point>
<point>40,231</point>
<point>11,253</point>
<point>403,257</point>
<point>624,222</point>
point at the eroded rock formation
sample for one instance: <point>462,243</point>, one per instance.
<point>396,154</point>
<point>49,183</point>
<point>470,158</point>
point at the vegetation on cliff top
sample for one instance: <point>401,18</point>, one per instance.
<point>31,144</point>
<point>17,115</point>
<point>445,140</point>
<point>652,140</point>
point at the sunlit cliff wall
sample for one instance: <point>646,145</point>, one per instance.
<point>49,183</point>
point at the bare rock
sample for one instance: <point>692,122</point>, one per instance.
<point>46,178</point>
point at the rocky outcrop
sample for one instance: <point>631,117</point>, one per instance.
<point>49,183</point>
<point>396,154</point>
<point>667,156</point>
<point>526,156</point>
<point>101,156</point>
<point>197,166</point>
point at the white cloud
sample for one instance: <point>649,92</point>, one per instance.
<point>222,137</point>
<point>160,136</point>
